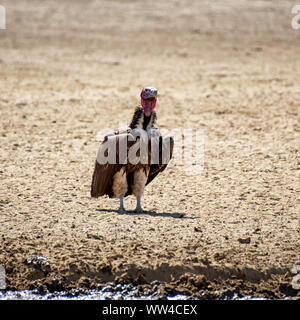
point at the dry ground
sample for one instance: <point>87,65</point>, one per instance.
<point>230,68</point>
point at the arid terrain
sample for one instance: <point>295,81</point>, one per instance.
<point>68,69</point>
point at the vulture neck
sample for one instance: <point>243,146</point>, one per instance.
<point>141,121</point>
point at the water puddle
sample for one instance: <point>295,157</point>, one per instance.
<point>110,292</point>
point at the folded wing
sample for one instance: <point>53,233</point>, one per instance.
<point>112,157</point>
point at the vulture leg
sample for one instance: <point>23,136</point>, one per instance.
<point>120,187</point>
<point>138,204</point>
<point>121,209</point>
<point>139,181</point>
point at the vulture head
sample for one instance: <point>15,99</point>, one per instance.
<point>148,99</point>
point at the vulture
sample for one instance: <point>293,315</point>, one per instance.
<point>130,159</point>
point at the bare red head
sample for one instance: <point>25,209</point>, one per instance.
<point>148,99</point>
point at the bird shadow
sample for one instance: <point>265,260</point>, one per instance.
<point>175,215</point>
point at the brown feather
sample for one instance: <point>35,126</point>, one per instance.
<point>102,179</point>
<point>155,169</point>
<point>103,173</point>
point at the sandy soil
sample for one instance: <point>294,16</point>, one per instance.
<point>231,69</point>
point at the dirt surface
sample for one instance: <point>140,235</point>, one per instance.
<point>229,68</point>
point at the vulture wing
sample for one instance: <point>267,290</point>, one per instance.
<point>166,146</point>
<point>109,161</point>
<point>102,179</point>
<point>107,167</point>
